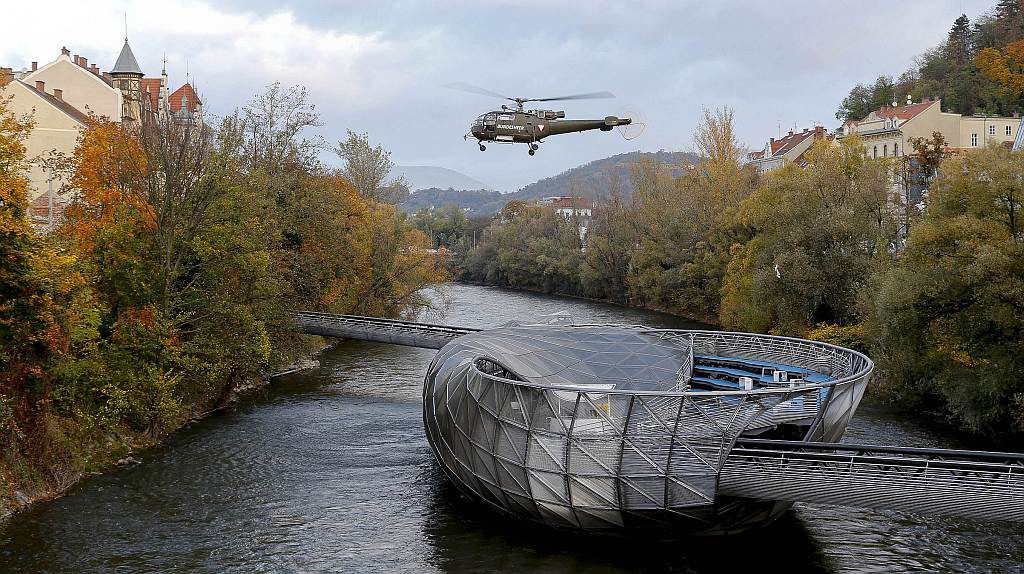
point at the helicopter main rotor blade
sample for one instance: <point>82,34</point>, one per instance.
<point>464,87</point>
<point>590,96</point>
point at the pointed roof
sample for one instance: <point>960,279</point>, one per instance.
<point>184,97</point>
<point>126,63</point>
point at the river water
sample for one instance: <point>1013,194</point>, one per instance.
<point>329,470</point>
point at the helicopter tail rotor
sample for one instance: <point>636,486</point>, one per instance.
<point>633,129</point>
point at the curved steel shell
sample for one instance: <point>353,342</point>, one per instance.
<point>602,427</point>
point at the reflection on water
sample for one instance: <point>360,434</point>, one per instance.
<point>329,470</point>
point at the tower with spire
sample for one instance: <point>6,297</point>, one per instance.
<point>127,77</point>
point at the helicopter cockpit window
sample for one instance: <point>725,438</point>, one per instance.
<point>489,117</point>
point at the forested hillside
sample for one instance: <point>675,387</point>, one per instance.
<point>976,70</point>
<point>594,180</point>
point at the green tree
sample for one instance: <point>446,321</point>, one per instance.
<point>817,232</point>
<point>948,331</point>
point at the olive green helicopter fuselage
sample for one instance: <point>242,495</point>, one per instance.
<point>532,126</point>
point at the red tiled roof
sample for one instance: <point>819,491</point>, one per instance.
<point>186,97</point>
<point>151,86</point>
<point>783,145</point>
<point>903,112</point>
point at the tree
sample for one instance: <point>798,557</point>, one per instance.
<point>947,322</point>
<point>1005,67</point>
<point>367,168</point>
<point>816,232</point>
<point>916,170</point>
<point>23,327</point>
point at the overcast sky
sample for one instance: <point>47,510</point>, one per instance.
<point>379,66</point>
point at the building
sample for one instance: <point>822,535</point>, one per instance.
<point>571,208</point>
<point>887,131</point>
<point>789,148</point>
<point>64,94</point>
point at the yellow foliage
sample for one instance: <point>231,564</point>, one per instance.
<point>1006,66</point>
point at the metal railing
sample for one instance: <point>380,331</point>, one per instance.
<point>971,484</point>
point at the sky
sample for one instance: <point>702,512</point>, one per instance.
<point>380,67</point>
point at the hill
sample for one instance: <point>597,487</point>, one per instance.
<point>480,202</point>
<point>591,180</point>
<point>428,177</point>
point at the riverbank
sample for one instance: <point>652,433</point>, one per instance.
<point>71,450</point>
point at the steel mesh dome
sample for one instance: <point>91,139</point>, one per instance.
<point>600,427</point>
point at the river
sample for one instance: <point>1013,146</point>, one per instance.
<point>329,470</point>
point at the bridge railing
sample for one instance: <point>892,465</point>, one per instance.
<point>978,485</point>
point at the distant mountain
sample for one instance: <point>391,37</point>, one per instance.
<point>480,202</point>
<point>428,176</point>
<point>591,180</point>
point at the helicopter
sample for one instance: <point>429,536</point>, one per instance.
<point>517,125</point>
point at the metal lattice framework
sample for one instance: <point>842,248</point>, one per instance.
<point>594,427</point>
<point>978,485</point>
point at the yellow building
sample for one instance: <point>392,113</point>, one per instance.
<point>887,131</point>
<point>61,96</point>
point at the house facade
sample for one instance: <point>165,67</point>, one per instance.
<point>62,95</point>
<point>790,148</point>
<point>888,131</point>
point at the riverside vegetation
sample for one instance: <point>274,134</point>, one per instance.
<point>167,285</point>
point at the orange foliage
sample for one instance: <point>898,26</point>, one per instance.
<point>107,168</point>
<point>1005,66</point>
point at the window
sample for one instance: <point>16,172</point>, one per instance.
<point>992,130</point>
<point>885,150</point>
<point>974,140</point>
<point>874,152</point>
<point>895,149</point>
<point>1009,130</point>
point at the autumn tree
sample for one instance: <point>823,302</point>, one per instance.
<point>23,327</point>
<point>1005,66</point>
<point>368,169</point>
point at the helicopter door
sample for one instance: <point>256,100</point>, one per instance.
<point>490,123</point>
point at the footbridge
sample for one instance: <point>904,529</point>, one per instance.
<point>972,484</point>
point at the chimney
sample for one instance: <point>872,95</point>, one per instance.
<point>84,62</point>
<point>6,76</point>
<point>790,132</point>
<point>76,59</point>
<point>40,86</point>
<point>65,52</point>
<point>819,132</point>
<point>35,66</point>
<point>771,140</point>
<point>94,69</point>
<point>59,94</point>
